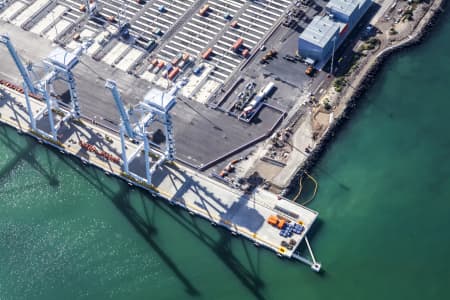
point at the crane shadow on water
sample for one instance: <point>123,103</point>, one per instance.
<point>25,153</point>
<point>144,224</point>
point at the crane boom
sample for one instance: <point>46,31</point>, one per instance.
<point>4,39</point>
<point>110,84</point>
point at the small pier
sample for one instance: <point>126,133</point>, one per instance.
<point>242,213</point>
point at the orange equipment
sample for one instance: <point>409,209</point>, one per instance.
<point>281,223</point>
<point>207,53</point>
<point>237,44</point>
<point>272,220</point>
<point>309,70</point>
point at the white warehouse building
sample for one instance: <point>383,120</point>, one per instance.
<point>324,33</point>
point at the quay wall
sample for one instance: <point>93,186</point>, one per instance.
<point>368,76</point>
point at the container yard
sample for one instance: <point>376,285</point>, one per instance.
<point>106,76</point>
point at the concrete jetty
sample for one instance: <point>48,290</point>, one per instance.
<point>242,213</point>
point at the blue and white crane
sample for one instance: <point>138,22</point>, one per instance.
<point>24,72</point>
<point>58,66</point>
<point>135,122</point>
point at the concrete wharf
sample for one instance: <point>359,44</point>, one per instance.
<point>242,213</point>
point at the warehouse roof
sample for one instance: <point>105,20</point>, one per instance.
<point>320,31</point>
<point>346,7</point>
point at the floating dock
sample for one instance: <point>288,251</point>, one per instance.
<point>243,214</point>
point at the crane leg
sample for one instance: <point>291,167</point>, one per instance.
<point>29,110</point>
<point>124,150</point>
<point>147,160</point>
<point>50,115</point>
<point>76,112</point>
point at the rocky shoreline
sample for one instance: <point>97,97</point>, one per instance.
<point>424,26</point>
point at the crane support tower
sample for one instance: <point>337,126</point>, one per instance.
<point>135,122</point>
<point>4,39</point>
<point>58,66</point>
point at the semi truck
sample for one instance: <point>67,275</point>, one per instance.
<point>252,108</point>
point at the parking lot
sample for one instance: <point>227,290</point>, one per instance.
<point>127,9</point>
<point>176,25</point>
<point>200,32</point>
<point>177,28</point>
<point>254,22</point>
<point>46,18</point>
<point>287,71</point>
<point>215,30</point>
<point>160,15</point>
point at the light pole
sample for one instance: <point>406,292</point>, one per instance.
<point>332,55</point>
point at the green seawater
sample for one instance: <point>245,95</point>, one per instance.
<point>70,232</point>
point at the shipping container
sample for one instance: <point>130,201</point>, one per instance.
<point>204,10</point>
<point>184,63</point>
<point>157,31</point>
<point>177,59</point>
<point>173,73</point>
<point>207,53</point>
<point>154,62</point>
<point>199,69</point>
<point>147,44</point>
<point>237,44</point>
<point>169,67</point>
<point>161,64</point>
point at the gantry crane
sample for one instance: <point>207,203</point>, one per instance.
<point>24,72</point>
<point>135,122</point>
<point>58,66</point>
